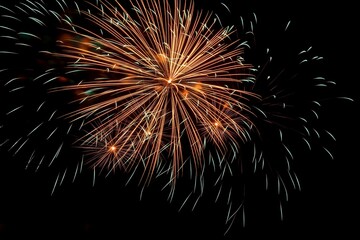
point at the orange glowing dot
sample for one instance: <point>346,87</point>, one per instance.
<point>216,124</point>
<point>62,79</point>
<point>169,80</point>
<point>64,37</point>
<point>112,148</point>
<point>160,57</point>
<point>198,86</point>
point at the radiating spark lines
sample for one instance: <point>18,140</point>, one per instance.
<point>159,90</point>
<point>173,75</point>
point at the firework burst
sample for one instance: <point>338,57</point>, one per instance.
<point>157,89</point>
<point>166,76</point>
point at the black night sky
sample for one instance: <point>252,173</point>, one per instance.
<point>326,206</point>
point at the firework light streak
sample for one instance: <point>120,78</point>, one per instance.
<point>160,89</point>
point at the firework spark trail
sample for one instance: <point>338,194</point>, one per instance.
<point>292,113</point>
<point>24,29</point>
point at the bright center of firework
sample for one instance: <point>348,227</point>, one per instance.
<point>168,82</point>
<point>112,149</point>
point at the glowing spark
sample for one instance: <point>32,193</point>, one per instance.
<point>56,180</point>
<point>287,25</point>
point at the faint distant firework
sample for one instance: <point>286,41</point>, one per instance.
<point>155,89</point>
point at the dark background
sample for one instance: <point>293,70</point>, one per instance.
<point>325,207</point>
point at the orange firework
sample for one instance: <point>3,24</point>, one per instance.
<point>164,81</point>
<point>157,90</point>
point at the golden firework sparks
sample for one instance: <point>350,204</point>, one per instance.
<point>167,73</point>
